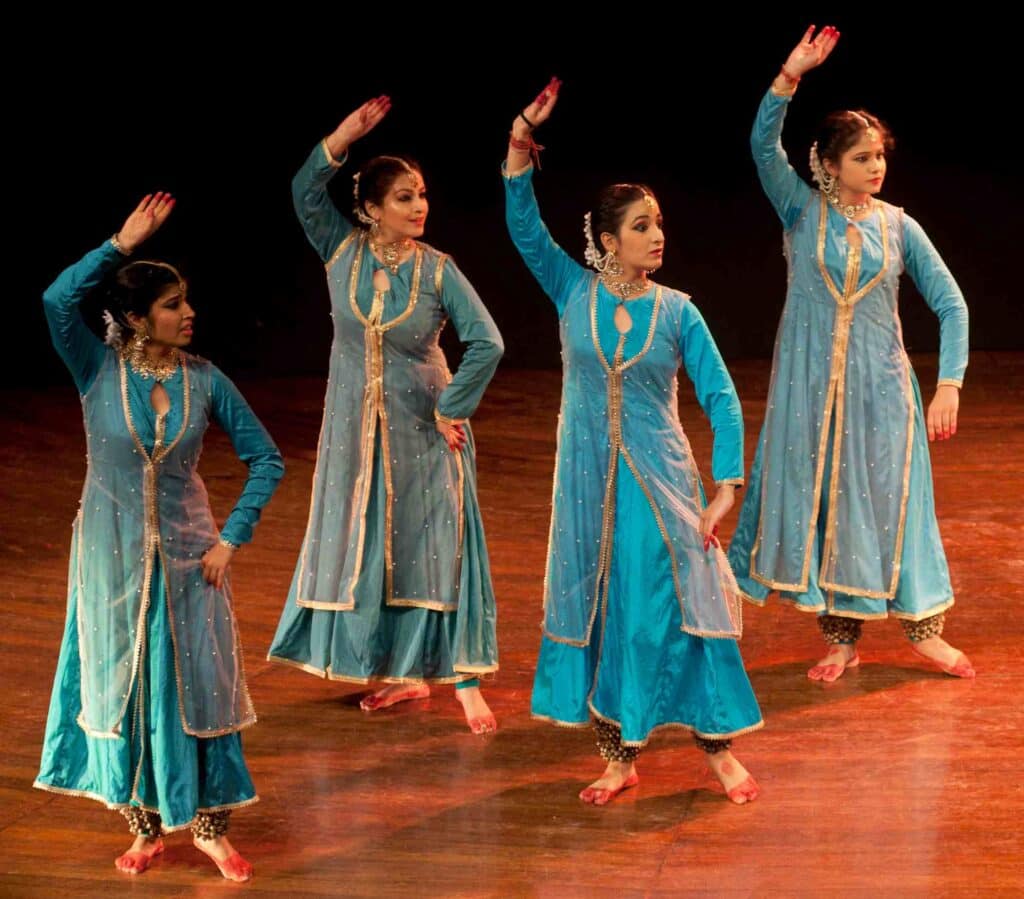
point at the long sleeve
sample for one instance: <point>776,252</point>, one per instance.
<point>81,350</point>
<point>943,295</point>
<point>716,394</point>
<point>484,346</point>
<point>324,225</point>
<point>255,448</point>
<point>556,271</point>
<point>788,192</point>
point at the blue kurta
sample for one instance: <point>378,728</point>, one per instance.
<point>632,601</point>
<point>393,581</point>
<point>840,516</point>
<point>147,703</point>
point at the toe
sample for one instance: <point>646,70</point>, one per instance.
<point>830,673</point>
<point>239,869</point>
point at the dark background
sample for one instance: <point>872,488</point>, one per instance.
<point>222,112</point>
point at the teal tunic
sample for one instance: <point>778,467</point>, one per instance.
<point>840,515</point>
<point>640,623</point>
<point>144,711</point>
<point>393,580</point>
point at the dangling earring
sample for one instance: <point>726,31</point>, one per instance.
<point>605,264</point>
<point>357,207</point>
<point>140,336</point>
<point>828,183</point>
<point>374,228</point>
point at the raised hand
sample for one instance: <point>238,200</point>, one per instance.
<point>145,221</point>
<point>358,124</point>
<point>538,112</point>
<point>811,51</point>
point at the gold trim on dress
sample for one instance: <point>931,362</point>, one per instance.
<point>227,807</point>
<point>761,603</point>
<point>572,725</point>
<point>928,613</point>
<point>154,549</point>
<point>434,605</point>
<point>673,724</point>
<point>439,273</point>
<point>151,526</point>
<point>889,613</point>
<point>352,235</point>
<point>618,446</point>
<point>614,401</point>
<point>331,161</point>
<point>328,674</point>
<point>81,794</point>
<point>834,403</point>
<point>950,382</point>
<point>115,806</point>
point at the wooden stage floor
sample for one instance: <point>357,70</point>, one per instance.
<point>895,781</point>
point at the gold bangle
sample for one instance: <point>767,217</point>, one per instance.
<point>227,543</point>
<point>116,244</point>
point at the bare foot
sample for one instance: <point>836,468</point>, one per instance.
<point>840,657</point>
<point>739,784</point>
<point>478,714</point>
<point>947,658</point>
<point>393,693</point>
<point>618,776</point>
<point>138,858</point>
<point>231,864</point>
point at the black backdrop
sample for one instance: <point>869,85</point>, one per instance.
<point>222,113</point>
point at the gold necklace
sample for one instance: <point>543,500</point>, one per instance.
<point>391,253</point>
<point>160,370</point>
<point>627,289</point>
<point>850,210</point>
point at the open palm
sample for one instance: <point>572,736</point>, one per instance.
<point>145,220</point>
<point>811,51</point>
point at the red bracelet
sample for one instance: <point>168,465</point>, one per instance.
<point>789,77</point>
<point>529,145</point>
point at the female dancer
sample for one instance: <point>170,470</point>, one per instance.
<point>393,583</point>
<point>840,517</point>
<point>150,692</point>
<point>641,611</point>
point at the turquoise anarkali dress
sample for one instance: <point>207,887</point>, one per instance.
<point>640,623</point>
<point>840,515</point>
<point>150,691</point>
<point>393,581</point>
